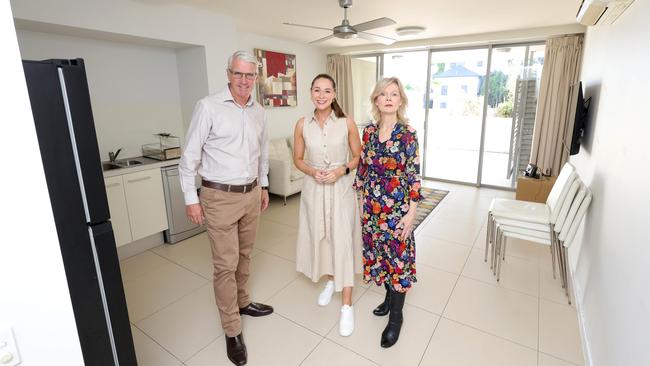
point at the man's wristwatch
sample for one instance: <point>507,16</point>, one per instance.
<point>347,170</point>
<point>265,188</point>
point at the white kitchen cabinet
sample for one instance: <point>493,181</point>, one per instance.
<point>118,209</point>
<point>137,205</point>
<point>146,202</point>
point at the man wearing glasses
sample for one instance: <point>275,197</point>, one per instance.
<point>226,144</point>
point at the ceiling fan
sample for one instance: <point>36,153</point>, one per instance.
<point>345,30</point>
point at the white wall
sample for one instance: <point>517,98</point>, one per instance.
<point>157,20</point>
<point>134,89</point>
<point>611,258</point>
<point>310,61</point>
<point>193,80</point>
<point>35,301</point>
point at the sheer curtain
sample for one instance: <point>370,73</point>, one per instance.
<point>556,104</point>
<point>340,68</point>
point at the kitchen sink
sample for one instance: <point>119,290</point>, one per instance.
<point>110,166</point>
<point>129,162</point>
<point>120,164</point>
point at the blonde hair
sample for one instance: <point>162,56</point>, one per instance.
<point>379,88</point>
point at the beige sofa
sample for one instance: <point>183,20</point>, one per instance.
<point>284,178</point>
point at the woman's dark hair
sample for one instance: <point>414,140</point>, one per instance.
<point>338,111</point>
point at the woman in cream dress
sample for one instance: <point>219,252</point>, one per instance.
<point>326,148</point>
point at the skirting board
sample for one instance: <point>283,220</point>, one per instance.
<point>139,246</point>
<point>577,298</point>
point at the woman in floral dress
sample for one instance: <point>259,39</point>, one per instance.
<point>388,179</point>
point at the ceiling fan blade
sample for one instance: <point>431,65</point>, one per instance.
<point>307,26</point>
<point>322,39</point>
<point>376,38</point>
<point>377,23</point>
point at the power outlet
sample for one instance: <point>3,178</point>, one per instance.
<point>8,351</point>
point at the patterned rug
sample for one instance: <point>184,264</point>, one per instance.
<point>432,198</point>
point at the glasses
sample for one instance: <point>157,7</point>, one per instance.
<point>239,75</point>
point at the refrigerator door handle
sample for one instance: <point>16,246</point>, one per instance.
<point>103,295</point>
<point>75,152</point>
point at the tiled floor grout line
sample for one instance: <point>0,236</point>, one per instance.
<point>179,264</point>
<point>156,342</point>
<point>170,304</point>
<point>559,358</point>
<point>443,310</point>
<point>206,346</point>
<point>312,351</point>
<point>490,334</point>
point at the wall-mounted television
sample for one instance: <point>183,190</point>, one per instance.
<point>580,121</point>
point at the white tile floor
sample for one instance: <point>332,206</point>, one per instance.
<point>457,314</point>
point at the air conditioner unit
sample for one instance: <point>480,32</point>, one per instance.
<point>598,12</point>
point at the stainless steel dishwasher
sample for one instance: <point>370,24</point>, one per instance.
<point>180,227</point>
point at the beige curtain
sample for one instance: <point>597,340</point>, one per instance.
<point>556,103</point>
<point>340,68</point>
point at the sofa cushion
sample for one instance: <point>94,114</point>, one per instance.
<point>278,149</point>
<point>295,173</point>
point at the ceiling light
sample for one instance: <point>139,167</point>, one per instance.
<point>409,31</point>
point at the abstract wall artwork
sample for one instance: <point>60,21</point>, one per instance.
<point>276,83</point>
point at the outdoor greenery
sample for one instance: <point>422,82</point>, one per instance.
<point>498,90</point>
<point>505,109</point>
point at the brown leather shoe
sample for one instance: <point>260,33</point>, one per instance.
<point>256,309</point>
<point>236,350</point>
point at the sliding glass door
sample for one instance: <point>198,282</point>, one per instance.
<point>455,104</point>
<point>513,88</point>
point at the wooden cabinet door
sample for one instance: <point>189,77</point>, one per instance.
<point>118,210</point>
<point>146,203</point>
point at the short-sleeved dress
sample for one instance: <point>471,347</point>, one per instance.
<point>388,178</point>
<point>329,227</point>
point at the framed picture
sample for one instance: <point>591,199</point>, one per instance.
<point>276,83</point>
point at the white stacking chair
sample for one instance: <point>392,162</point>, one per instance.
<point>560,238</point>
<point>566,239</point>
<point>531,212</point>
<point>543,231</point>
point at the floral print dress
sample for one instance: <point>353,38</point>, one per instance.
<point>388,179</point>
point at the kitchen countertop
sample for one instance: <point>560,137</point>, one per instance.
<point>147,163</point>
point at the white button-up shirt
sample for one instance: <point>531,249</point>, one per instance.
<point>226,143</point>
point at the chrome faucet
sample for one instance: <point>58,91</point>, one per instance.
<point>112,156</point>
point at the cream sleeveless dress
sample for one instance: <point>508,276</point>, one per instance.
<point>329,230</point>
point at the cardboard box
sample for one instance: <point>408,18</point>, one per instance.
<point>532,189</point>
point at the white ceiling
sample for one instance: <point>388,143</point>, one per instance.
<point>441,18</point>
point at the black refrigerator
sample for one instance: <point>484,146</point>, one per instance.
<point>60,100</point>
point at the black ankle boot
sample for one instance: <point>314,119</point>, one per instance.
<point>383,308</point>
<point>391,333</point>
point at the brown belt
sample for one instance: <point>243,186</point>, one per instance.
<point>229,187</point>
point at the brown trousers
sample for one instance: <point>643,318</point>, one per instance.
<point>231,221</point>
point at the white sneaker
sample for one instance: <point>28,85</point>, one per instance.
<point>326,295</point>
<point>346,324</point>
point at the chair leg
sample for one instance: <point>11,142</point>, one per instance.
<point>496,252</point>
<point>493,252</point>
<point>552,249</point>
<point>487,236</point>
<point>561,264</point>
<point>285,200</point>
<point>502,243</point>
<point>566,273</point>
